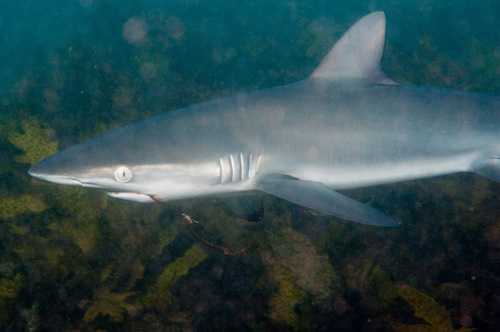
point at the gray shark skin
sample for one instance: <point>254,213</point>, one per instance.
<point>346,126</point>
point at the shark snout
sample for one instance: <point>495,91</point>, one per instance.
<point>45,171</point>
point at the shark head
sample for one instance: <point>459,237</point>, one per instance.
<point>125,161</point>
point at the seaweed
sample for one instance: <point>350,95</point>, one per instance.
<point>282,303</point>
<point>159,293</point>
<point>437,317</point>
<point>106,303</point>
<point>83,232</point>
<point>36,144</point>
<point>301,272</point>
<point>9,290</point>
<point>35,141</point>
<point>365,276</point>
<point>12,206</point>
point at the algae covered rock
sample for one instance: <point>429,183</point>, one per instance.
<point>437,317</point>
<point>159,293</point>
<point>35,141</point>
<point>9,290</point>
<point>300,271</point>
<point>12,206</point>
<point>106,303</point>
<point>282,303</point>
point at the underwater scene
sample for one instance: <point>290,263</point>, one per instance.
<point>76,259</point>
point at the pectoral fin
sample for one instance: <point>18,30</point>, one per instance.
<point>317,196</point>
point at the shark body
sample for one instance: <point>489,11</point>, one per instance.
<point>346,126</point>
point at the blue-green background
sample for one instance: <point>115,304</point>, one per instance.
<point>74,259</point>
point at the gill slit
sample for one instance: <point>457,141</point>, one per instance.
<point>238,167</point>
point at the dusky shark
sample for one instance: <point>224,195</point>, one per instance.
<point>346,126</point>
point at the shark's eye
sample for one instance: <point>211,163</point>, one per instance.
<point>123,174</point>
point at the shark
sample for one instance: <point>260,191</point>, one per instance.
<point>348,125</point>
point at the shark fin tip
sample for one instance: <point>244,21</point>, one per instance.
<point>357,55</point>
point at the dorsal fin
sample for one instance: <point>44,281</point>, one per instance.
<point>358,53</point>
